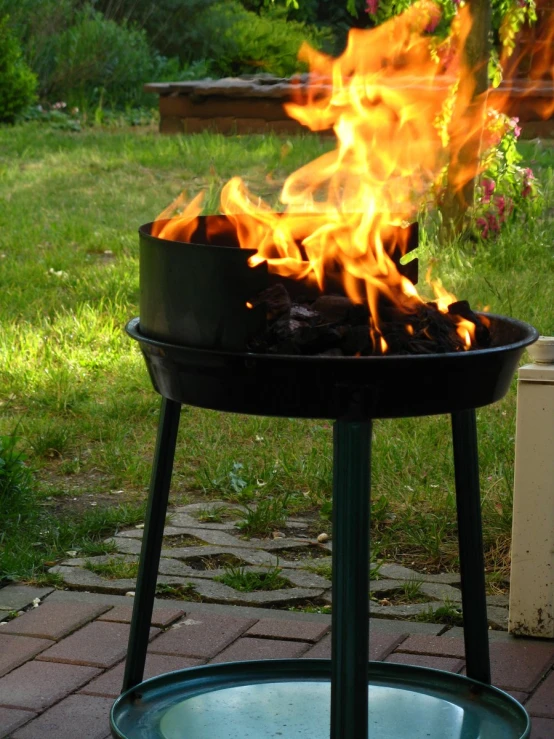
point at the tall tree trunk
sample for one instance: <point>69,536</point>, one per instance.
<point>458,199</point>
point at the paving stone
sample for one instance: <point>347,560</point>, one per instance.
<point>520,665</point>
<point>406,611</point>
<point>17,597</point>
<point>11,719</point>
<point>390,626</point>
<point>434,645</point>
<point>100,644</point>
<point>542,728</point>
<point>54,620</point>
<point>201,635</point>
<point>85,716</point>
<point>307,579</point>
<point>161,617</point>
<point>501,600</point>
<point>497,617</point>
<point>109,684</point>
<point>449,664</point>
<point>125,545</point>
<point>100,559</point>
<point>441,591</point>
<point>249,556</point>
<point>383,586</point>
<point>87,580</point>
<point>217,592</point>
<point>458,632</point>
<point>4,615</point>
<point>542,702</point>
<point>183,520</point>
<point>307,631</point>
<point>15,650</point>
<point>248,648</point>
<point>37,685</point>
<point>380,645</point>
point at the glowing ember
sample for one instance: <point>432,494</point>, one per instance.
<point>402,107</point>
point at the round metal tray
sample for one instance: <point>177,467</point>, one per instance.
<point>290,699</point>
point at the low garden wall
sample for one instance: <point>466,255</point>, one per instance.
<point>255,105</point>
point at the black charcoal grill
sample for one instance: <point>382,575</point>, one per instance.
<point>193,332</point>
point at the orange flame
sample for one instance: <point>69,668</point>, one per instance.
<point>390,102</point>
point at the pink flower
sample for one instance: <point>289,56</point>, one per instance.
<point>484,226</point>
<point>372,6</point>
<point>488,189</point>
<point>433,23</point>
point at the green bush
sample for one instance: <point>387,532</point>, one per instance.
<point>96,60</point>
<point>17,82</point>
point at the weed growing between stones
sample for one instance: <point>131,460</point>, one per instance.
<point>248,581</point>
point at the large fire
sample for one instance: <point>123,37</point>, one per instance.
<point>402,106</point>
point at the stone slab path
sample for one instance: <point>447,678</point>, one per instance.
<point>62,658</point>
<point>197,553</point>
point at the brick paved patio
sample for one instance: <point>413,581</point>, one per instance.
<point>61,663</point>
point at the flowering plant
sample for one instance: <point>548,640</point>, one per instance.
<point>505,187</point>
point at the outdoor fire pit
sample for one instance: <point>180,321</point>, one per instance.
<point>313,312</point>
<point>294,697</point>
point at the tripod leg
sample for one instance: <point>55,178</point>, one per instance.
<point>350,634</point>
<point>152,542</point>
<point>470,535</point>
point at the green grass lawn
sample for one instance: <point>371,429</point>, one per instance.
<point>75,390</point>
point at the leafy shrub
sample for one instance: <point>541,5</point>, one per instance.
<point>17,82</point>
<point>171,25</point>
<point>96,59</point>
<point>242,42</point>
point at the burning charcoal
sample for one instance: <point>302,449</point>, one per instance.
<point>304,313</point>
<point>316,339</point>
<point>356,340</point>
<point>335,308</point>
<point>462,308</point>
<point>285,328</point>
<point>358,315</point>
<point>276,299</point>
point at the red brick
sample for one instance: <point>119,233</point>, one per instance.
<point>98,644</point>
<point>37,685</point>
<point>271,628</point>
<point>450,664</point>
<point>11,719</point>
<point>542,728</point>
<point>520,664</point>
<point>82,716</point>
<point>248,648</point>
<point>201,635</point>
<point>109,684</point>
<point>438,646</point>
<point>380,645</point>
<point>15,650</point>
<point>54,620</point>
<point>161,617</point>
<point>542,702</point>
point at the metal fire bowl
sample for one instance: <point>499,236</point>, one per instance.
<point>337,387</point>
<point>291,699</point>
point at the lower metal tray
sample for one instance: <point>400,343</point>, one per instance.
<point>290,699</point>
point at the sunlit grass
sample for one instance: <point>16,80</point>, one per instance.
<point>76,386</point>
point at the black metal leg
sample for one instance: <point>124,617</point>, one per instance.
<point>152,542</point>
<point>470,535</point>
<point>350,635</point>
